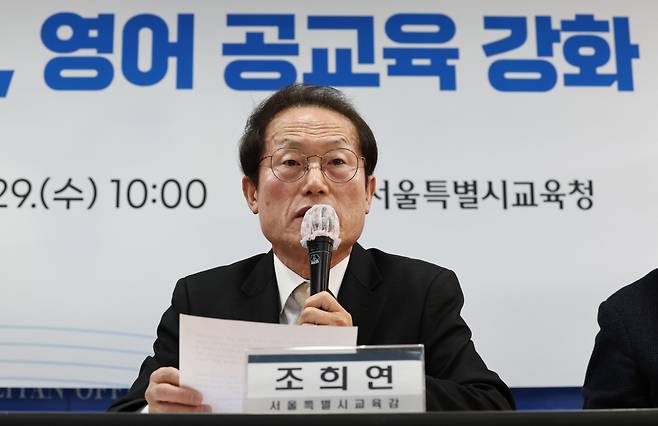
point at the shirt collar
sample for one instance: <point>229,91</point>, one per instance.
<point>287,279</point>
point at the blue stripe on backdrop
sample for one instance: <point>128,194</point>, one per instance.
<point>86,399</point>
<point>548,398</point>
<point>75,330</point>
<point>58,399</point>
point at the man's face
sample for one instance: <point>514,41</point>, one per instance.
<point>281,205</point>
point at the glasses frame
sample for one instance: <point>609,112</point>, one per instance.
<point>307,164</point>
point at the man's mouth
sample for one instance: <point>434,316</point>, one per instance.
<point>301,212</point>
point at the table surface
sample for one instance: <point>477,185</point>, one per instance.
<point>534,418</point>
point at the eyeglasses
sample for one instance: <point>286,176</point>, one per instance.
<point>338,165</point>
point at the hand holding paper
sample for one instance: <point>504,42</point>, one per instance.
<point>164,395</point>
<point>213,353</point>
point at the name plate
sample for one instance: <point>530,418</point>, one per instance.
<point>362,379</point>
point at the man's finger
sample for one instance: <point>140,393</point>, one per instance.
<point>166,375</point>
<point>164,392</point>
<point>168,407</point>
<point>325,302</point>
<point>311,315</point>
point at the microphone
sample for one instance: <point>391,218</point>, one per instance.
<point>319,232</point>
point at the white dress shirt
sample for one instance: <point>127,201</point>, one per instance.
<point>288,280</point>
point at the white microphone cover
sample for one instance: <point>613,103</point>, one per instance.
<point>320,220</point>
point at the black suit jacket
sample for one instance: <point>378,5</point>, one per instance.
<point>623,370</point>
<point>392,299</point>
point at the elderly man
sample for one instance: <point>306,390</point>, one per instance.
<point>307,145</point>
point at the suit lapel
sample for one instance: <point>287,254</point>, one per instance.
<point>261,293</point>
<point>359,293</point>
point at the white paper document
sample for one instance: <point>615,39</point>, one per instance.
<point>213,353</point>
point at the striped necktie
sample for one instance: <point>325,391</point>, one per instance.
<point>301,293</point>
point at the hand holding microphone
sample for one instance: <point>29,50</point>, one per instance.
<point>320,232</point>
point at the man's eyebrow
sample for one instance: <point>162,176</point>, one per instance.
<point>287,143</point>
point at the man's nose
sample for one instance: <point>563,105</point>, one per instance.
<point>314,180</point>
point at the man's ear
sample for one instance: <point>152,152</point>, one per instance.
<point>370,191</point>
<point>250,194</point>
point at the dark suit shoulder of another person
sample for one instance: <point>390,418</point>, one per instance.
<point>623,369</point>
